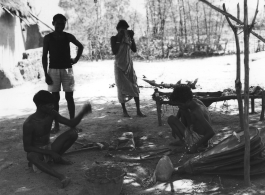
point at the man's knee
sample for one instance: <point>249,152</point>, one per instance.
<point>33,156</point>
<point>73,134</point>
<point>171,119</point>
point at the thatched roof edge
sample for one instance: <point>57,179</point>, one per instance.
<point>15,6</point>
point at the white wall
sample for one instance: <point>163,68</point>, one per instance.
<point>11,41</point>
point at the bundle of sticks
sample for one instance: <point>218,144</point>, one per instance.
<point>171,85</point>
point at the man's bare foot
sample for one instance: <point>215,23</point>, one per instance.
<point>55,130</point>
<point>65,161</point>
<point>139,113</point>
<point>177,143</point>
<point>65,181</point>
<point>125,114</point>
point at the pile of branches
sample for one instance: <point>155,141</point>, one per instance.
<point>163,85</point>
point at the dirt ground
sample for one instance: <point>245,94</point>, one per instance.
<point>93,81</point>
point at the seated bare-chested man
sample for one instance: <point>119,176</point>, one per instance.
<point>192,125</point>
<point>36,135</point>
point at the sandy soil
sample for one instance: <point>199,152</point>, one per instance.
<point>106,123</point>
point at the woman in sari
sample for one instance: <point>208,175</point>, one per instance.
<point>126,81</point>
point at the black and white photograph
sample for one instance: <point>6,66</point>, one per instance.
<point>132,97</point>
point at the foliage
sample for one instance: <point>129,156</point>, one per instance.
<point>170,28</point>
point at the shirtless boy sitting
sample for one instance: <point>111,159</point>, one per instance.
<point>192,125</point>
<point>36,135</point>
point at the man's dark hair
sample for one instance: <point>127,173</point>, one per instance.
<point>182,93</point>
<point>43,97</point>
<point>122,23</point>
<point>59,16</point>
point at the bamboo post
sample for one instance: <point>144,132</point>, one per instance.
<point>158,107</point>
<point>246,97</point>
<point>262,106</point>
<point>238,84</point>
<point>247,31</point>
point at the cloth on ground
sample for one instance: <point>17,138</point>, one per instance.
<point>191,137</point>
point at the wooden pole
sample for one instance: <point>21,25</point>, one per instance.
<point>247,31</point>
<point>252,105</point>
<point>262,106</point>
<point>238,84</point>
<point>246,98</point>
<point>158,107</point>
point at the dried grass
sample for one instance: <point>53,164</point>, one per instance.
<point>15,6</point>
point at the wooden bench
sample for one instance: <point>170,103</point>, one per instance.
<point>207,98</point>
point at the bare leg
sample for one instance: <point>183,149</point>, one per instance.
<point>56,96</point>
<point>64,141</point>
<point>177,128</point>
<point>137,102</point>
<point>69,96</point>
<point>36,159</point>
<point>125,113</point>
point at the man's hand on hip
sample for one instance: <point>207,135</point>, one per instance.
<point>48,79</point>
<point>73,61</point>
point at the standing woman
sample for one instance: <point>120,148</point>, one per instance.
<point>125,78</point>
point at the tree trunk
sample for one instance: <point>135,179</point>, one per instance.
<point>181,28</point>
<point>191,26</point>
<point>197,23</point>
<point>147,30</point>
<point>161,27</point>
<point>185,25</point>
<point>205,23</point>
<point>175,22</point>
<point>96,32</point>
<point>209,28</point>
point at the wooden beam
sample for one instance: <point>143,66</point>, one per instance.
<point>40,21</point>
<point>231,17</point>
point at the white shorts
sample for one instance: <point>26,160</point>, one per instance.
<point>64,77</point>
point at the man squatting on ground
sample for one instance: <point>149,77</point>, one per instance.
<point>126,81</point>
<point>57,44</point>
<point>192,125</point>
<point>36,135</point>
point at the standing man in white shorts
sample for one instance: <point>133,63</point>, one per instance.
<point>60,71</point>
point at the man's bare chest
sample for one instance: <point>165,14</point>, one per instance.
<point>42,127</point>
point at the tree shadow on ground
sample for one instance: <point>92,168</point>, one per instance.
<point>106,123</point>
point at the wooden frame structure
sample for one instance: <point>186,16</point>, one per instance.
<point>207,98</point>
